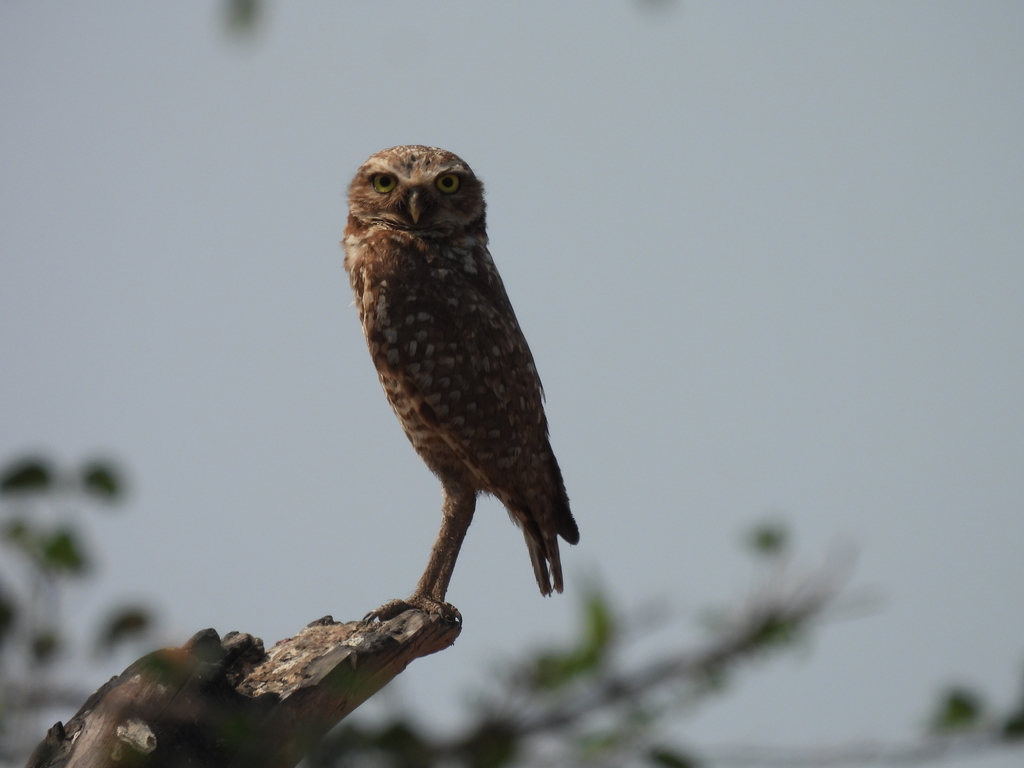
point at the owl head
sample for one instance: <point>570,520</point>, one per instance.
<point>417,188</point>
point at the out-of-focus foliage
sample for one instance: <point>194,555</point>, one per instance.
<point>1013,725</point>
<point>243,17</point>
<point>962,711</point>
<point>43,551</point>
<point>959,709</point>
<point>671,759</point>
<point>102,481</point>
<point>591,702</point>
<point>557,668</point>
<point>29,474</point>
<point>53,551</point>
<point>770,539</point>
<point>125,623</point>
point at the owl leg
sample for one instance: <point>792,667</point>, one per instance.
<point>459,505</point>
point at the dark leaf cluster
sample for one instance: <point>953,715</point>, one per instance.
<point>962,711</point>
<point>44,548</point>
<point>586,702</point>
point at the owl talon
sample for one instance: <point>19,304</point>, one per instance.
<point>448,612</point>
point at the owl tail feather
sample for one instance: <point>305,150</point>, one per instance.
<point>542,539</point>
<point>564,521</point>
<point>544,551</point>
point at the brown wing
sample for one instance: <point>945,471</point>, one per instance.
<point>461,378</point>
<point>458,346</point>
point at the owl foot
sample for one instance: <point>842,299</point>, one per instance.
<point>448,612</point>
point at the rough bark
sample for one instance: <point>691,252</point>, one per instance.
<point>216,702</point>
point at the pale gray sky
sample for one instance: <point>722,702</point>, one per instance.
<point>768,257</point>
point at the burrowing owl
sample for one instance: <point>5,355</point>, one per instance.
<point>451,356</point>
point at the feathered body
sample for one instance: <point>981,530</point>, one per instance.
<point>450,353</point>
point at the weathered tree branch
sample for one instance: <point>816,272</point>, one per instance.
<point>215,702</point>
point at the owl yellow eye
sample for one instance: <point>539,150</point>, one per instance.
<point>384,183</point>
<point>448,183</point>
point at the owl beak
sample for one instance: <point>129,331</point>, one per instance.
<point>415,207</point>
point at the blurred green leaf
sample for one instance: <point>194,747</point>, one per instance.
<point>670,758</point>
<point>102,480</point>
<point>600,626</point>
<point>18,532</point>
<point>397,743</point>
<point>45,646</point>
<point>243,16</point>
<point>29,474</point>
<point>960,709</point>
<point>492,745</point>
<point>23,536</point>
<point>61,552</point>
<point>593,744</point>
<point>1013,725</point>
<point>125,624</point>
<point>57,551</point>
<point>8,613</point>
<point>402,742</point>
<point>1013,728</point>
<point>769,539</point>
<point>556,668</point>
<point>776,630</point>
